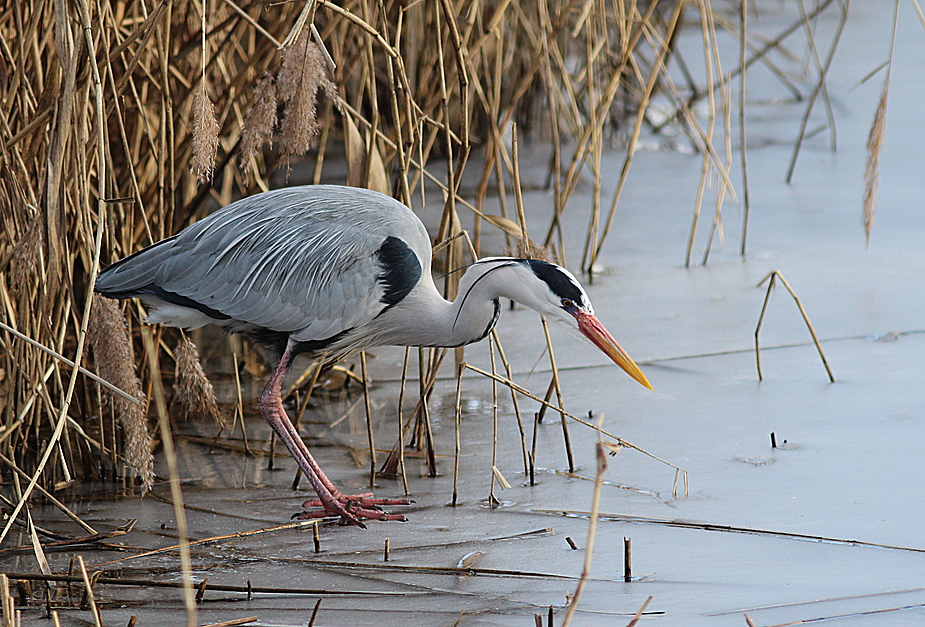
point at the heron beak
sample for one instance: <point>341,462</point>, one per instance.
<point>592,329</point>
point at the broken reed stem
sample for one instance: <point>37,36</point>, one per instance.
<point>770,278</point>
<point>7,605</point>
<point>601,456</point>
<point>176,494</point>
<point>369,421</point>
<point>301,524</point>
<point>61,506</point>
<point>638,615</point>
<point>820,88</point>
<point>94,610</point>
<point>510,375</point>
<point>37,550</point>
<point>155,583</point>
<point>239,408</point>
<point>103,382</point>
<point>743,145</point>
<point>684,524</point>
<point>457,418</point>
<point>424,415</point>
<point>558,388</point>
<point>705,167</point>
<point>627,559</point>
<point>311,621</point>
<point>63,544</point>
<point>233,622</point>
<point>401,430</point>
<point>724,168</point>
<point>518,196</point>
<point>521,390</point>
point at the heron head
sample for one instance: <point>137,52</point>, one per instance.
<point>557,294</point>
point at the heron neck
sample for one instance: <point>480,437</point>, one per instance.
<point>469,318</point>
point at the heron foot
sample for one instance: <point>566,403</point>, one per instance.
<point>363,500</point>
<point>352,508</point>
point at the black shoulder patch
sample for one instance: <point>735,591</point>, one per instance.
<point>401,270</point>
<point>560,284</point>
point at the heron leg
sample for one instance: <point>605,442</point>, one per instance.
<point>349,508</point>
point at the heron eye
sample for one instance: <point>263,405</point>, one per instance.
<point>567,304</point>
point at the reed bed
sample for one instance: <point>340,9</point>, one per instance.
<point>178,113</point>
<point>125,121</point>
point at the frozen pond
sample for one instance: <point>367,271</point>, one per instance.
<point>826,525</point>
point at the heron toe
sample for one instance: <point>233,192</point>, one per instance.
<point>352,509</point>
<point>362,500</point>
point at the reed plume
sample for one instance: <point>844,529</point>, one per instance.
<point>259,120</point>
<point>205,135</point>
<point>109,339</point>
<point>24,261</point>
<point>194,391</point>
<point>301,75</point>
<point>872,169</point>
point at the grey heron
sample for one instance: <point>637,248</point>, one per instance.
<point>325,269</point>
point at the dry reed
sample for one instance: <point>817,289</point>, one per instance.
<point>192,388</point>
<point>872,166</point>
<point>300,78</point>
<point>116,110</point>
<point>112,352</point>
<point>771,278</point>
<point>875,143</point>
<point>205,135</point>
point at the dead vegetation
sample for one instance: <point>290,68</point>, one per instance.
<point>232,94</point>
<point>125,121</point>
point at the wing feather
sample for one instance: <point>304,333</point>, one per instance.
<point>299,260</point>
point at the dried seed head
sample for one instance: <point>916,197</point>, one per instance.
<point>205,135</point>
<point>109,339</point>
<point>872,169</point>
<point>24,261</point>
<point>259,120</point>
<point>193,389</point>
<point>301,76</point>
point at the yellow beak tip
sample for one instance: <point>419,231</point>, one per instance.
<point>644,381</point>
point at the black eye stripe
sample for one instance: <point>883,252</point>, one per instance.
<point>559,282</point>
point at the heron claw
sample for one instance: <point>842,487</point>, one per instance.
<point>352,508</point>
<point>362,500</point>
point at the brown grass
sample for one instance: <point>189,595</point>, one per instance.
<point>174,97</point>
<point>875,143</point>
<point>192,389</point>
<point>872,166</point>
<point>185,94</point>
<point>205,135</point>
<point>112,353</point>
<point>259,121</point>
<point>300,78</point>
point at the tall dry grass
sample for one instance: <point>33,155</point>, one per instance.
<point>143,115</point>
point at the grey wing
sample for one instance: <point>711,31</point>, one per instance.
<point>304,261</point>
